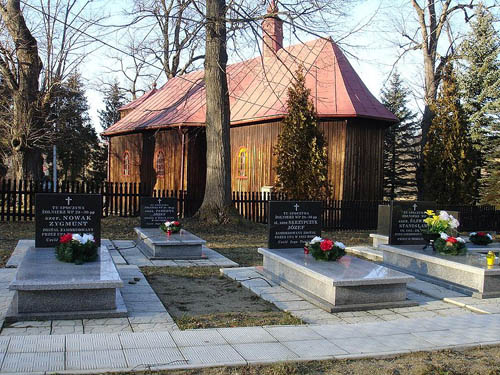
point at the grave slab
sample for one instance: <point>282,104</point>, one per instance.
<point>467,274</point>
<point>46,288</point>
<point>155,244</point>
<point>345,285</point>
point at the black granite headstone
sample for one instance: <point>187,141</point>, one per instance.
<point>155,211</point>
<point>403,221</point>
<point>59,213</point>
<point>292,223</point>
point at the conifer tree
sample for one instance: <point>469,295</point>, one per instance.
<point>401,143</point>
<point>113,100</point>
<point>449,157</point>
<point>77,140</point>
<point>301,151</point>
<point>479,84</point>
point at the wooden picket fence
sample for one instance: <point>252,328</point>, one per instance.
<point>17,203</point>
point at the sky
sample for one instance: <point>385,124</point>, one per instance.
<point>371,50</point>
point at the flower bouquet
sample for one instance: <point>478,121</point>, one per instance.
<point>442,223</point>
<point>480,238</point>
<point>170,227</point>
<point>448,245</point>
<point>75,248</point>
<point>325,249</point>
<point>437,224</point>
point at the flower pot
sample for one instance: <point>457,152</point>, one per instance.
<point>430,238</point>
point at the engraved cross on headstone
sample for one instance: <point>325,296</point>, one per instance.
<point>296,206</point>
<point>159,200</point>
<point>68,199</point>
<point>415,207</point>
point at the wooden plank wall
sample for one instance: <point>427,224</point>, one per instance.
<point>132,143</point>
<point>364,160</point>
<point>259,139</point>
<point>169,142</point>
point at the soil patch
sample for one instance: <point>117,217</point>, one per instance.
<point>201,298</point>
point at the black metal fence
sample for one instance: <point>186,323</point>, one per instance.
<point>17,203</point>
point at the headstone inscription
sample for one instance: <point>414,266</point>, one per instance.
<point>155,211</point>
<point>403,221</point>
<point>292,223</point>
<point>59,213</point>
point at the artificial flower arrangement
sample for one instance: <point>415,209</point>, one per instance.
<point>480,238</point>
<point>324,249</point>
<point>442,223</point>
<point>170,227</point>
<point>75,248</point>
<point>448,245</point>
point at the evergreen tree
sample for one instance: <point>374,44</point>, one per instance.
<point>302,160</point>
<point>401,143</point>
<point>113,99</point>
<point>449,156</point>
<point>480,92</point>
<point>76,139</point>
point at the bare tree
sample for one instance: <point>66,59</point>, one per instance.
<point>33,62</point>
<point>176,42</point>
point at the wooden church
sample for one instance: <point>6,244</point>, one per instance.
<point>160,138</point>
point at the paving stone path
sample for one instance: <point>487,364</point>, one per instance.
<point>149,339</point>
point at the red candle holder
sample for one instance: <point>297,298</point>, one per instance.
<point>169,232</point>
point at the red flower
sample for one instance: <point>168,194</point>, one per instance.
<point>66,238</point>
<point>306,250</point>
<point>176,223</point>
<point>326,245</point>
<point>481,234</point>
<point>452,240</point>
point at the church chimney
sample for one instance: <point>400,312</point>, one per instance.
<point>272,27</point>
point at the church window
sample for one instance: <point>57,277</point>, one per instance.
<point>242,163</point>
<point>160,164</point>
<point>126,164</point>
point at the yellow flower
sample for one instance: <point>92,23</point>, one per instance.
<point>430,212</point>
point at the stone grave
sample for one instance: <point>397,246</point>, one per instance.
<point>401,222</point>
<point>156,211</point>
<point>46,288</point>
<point>468,274</point>
<point>348,284</point>
<point>156,244</point>
<point>291,224</point>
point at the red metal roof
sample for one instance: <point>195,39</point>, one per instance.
<point>134,103</point>
<point>257,91</point>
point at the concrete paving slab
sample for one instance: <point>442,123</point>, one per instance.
<point>265,352</point>
<point>66,330</point>
<point>314,348</point>
<point>25,331</point>
<point>292,306</point>
<point>104,322</point>
<point>198,337</point>
<point>432,290</point>
<point>154,327</point>
<point>280,297</point>
<point>147,340</point>
<point>93,360</point>
<point>244,335</point>
<point>220,355</point>
<point>403,341</point>
<point>32,362</point>
<point>93,342</point>
<point>32,344</point>
<point>293,333</point>
<point>146,359</point>
<point>355,345</point>
<point>150,317</point>
<point>108,329</point>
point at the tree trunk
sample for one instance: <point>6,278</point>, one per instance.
<point>25,161</point>
<point>217,204</point>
